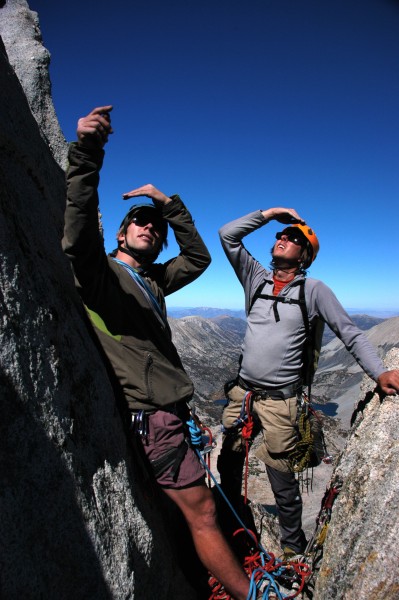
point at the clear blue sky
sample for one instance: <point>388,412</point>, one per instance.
<point>240,106</point>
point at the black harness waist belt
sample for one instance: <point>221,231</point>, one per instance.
<point>180,409</point>
<point>275,394</point>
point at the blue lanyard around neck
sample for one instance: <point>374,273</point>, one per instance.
<point>146,291</point>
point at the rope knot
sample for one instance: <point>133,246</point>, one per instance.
<point>247,429</point>
<point>195,433</point>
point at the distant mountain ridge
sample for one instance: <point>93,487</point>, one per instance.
<point>178,312</point>
<point>209,312</point>
<point>363,321</point>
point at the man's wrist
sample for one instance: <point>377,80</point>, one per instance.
<point>95,155</point>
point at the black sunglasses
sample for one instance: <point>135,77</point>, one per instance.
<point>142,219</point>
<point>291,237</point>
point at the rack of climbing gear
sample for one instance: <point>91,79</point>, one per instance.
<point>310,449</point>
<point>140,423</point>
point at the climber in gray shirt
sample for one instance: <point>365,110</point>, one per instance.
<point>271,363</point>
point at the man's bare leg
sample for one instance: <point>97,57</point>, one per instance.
<point>198,507</point>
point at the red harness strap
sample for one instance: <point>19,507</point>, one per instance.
<point>246,433</point>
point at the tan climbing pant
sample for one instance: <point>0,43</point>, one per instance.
<point>277,418</point>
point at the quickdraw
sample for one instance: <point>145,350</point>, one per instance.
<point>319,535</point>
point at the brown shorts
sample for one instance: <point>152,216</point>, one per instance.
<point>166,431</point>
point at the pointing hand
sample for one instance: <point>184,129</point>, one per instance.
<point>94,129</point>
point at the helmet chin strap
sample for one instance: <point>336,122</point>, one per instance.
<point>286,264</point>
<point>144,259</point>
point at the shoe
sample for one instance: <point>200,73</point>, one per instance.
<point>290,555</point>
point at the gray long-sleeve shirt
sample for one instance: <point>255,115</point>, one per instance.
<point>272,350</point>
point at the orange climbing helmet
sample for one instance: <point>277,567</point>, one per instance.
<point>310,235</point>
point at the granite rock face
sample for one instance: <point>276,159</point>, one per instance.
<point>20,31</point>
<point>361,552</point>
<point>78,520</point>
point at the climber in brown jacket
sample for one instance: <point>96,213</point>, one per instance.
<point>124,296</point>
